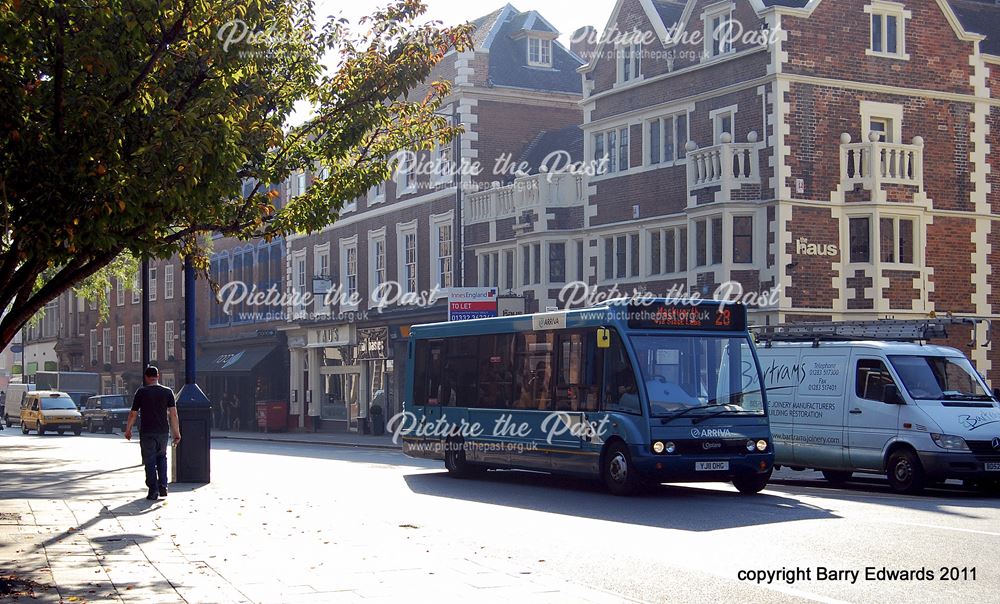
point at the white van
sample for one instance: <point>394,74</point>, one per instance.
<point>917,413</point>
<point>15,394</point>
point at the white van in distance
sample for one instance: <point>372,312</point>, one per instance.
<point>916,412</point>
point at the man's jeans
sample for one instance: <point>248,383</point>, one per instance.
<point>154,458</point>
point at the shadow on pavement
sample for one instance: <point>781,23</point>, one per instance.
<point>667,506</point>
<point>49,479</point>
<point>349,454</point>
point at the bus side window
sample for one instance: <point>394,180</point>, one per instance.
<point>496,378</point>
<point>458,377</point>
<point>428,364</point>
<point>621,393</point>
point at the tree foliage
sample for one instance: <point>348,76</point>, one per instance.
<point>130,126</point>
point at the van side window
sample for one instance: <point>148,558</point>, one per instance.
<point>872,378</point>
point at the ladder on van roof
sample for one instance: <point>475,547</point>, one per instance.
<point>887,330</point>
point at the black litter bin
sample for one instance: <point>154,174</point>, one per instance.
<point>191,458</point>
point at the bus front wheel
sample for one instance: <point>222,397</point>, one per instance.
<point>620,476</point>
<point>751,484</point>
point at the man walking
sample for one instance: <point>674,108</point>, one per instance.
<point>155,405</point>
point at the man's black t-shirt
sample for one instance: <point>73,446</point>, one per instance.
<point>152,402</point>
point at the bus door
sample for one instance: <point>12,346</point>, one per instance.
<point>579,364</point>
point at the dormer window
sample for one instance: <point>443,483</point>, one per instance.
<point>888,27</point>
<point>629,62</point>
<point>539,52</point>
<point>719,29</point>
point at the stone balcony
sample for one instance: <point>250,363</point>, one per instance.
<point>528,192</point>
<point>725,167</point>
<point>874,164</point>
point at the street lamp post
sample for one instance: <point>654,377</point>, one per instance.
<point>192,457</point>
<point>144,270</point>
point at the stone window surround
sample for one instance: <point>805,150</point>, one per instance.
<point>895,9</point>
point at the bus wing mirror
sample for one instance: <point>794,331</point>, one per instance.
<point>603,337</point>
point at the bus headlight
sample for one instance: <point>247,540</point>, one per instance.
<point>658,447</point>
<point>762,445</point>
<point>947,441</point>
<point>669,447</point>
<point>751,445</point>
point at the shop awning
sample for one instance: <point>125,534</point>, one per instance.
<point>232,361</point>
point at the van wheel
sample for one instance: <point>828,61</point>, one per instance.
<point>24,428</point>
<point>455,462</point>
<point>837,476</point>
<point>620,476</point>
<point>39,429</point>
<point>905,473</point>
<point>751,484</point>
<point>78,431</point>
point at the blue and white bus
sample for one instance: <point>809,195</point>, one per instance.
<point>632,393</point>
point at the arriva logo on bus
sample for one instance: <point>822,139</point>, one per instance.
<point>712,433</point>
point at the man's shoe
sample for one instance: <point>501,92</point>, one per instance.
<point>163,491</point>
<point>152,496</point>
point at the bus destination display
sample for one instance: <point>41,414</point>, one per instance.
<point>721,317</point>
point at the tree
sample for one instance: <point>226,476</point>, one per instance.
<point>129,126</point>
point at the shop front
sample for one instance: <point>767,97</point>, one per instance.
<point>340,371</point>
<point>238,374</point>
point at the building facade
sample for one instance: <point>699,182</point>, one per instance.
<point>837,156</point>
<point>348,348</point>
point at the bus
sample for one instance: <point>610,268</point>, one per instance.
<point>632,393</point>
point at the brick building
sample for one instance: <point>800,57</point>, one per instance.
<point>840,152</point>
<point>241,357</point>
<point>515,82</point>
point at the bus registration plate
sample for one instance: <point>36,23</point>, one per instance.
<point>711,466</point>
<point>993,467</point>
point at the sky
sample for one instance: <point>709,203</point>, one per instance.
<point>565,15</point>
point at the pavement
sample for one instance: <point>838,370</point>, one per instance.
<point>300,522</point>
<point>347,439</point>
<point>75,527</point>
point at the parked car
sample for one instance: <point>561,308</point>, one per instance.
<point>106,412</point>
<point>46,410</point>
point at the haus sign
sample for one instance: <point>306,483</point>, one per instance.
<point>804,248</point>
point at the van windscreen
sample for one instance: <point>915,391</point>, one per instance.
<point>939,377</point>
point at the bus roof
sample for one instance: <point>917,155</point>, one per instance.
<point>622,312</point>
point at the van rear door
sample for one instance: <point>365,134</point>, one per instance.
<point>871,421</point>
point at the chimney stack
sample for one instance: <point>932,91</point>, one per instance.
<point>583,42</point>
